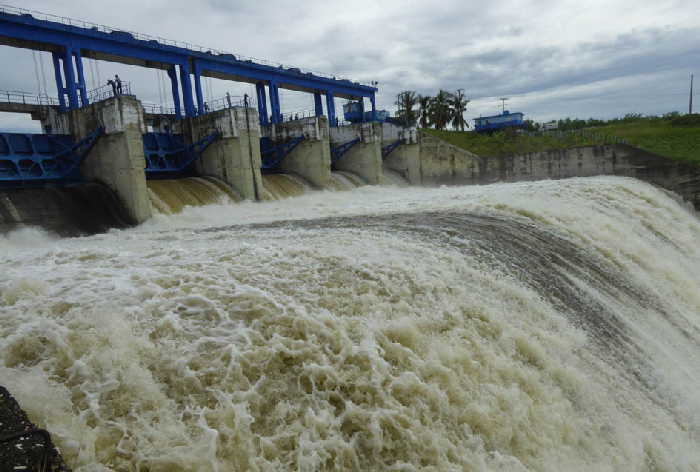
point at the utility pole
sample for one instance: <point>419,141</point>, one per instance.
<point>503,108</point>
<point>690,103</point>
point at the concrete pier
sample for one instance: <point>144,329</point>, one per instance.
<point>311,159</point>
<point>235,157</point>
<point>405,159</point>
<point>365,158</point>
<point>117,159</point>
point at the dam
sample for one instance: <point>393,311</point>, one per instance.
<point>166,306</point>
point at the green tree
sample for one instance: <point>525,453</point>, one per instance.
<point>441,110</point>
<point>406,102</point>
<point>424,101</point>
<point>459,104</point>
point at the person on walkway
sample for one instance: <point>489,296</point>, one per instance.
<point>118,81</point>
<point>114,86</point>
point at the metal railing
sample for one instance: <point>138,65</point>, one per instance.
<point>108,91</point>
<point>222,103</point>
<point>26,98</point>
<point>10,9</point>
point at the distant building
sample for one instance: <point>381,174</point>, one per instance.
<point>487,124</point>
<point>552,125</point>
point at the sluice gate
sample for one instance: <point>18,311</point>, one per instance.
<point>38,158</point>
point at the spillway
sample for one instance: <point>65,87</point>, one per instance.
<point>542,326</point>
<point>67,211</point>
<point>391,177</point>
<point>279,186</point>
<point>171,196</point>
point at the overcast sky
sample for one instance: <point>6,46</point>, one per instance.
<point>553,59</point>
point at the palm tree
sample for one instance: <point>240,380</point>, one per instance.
<point>440,110</point>
<point>406,101</point>
<point>459,105</point>
<point>424,103</point>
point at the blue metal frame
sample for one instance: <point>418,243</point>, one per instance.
<point>166,154</point>
<point>340,150</point>
<point>71,43</point>
<point>273,153</point>
<point>386,150</point>
<point>38,158</point>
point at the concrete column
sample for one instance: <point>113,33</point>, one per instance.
<point>235,157</point>
<point>172,73</point>
<point>318,104</point>
<point>262,103</point>
<point>364,158</point>
<point>117,159</point>
<point>312,158</point>
<point>59,81</point>
<point>405,159</point>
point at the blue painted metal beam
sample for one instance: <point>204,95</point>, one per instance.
<point>172,73</point>
<point>69,74</point>
<point>386,150</point>
<point>26,31</point>
<point>330,107</point>
<point>186,84</point>
<point>59,82</point>
<point>198,87</point>
<point>318,104</point>
<point>275,105</point>
<point>262,103</point>
<point>373,101</point>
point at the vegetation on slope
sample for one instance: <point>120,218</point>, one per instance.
<point>673,135</point>
<point>508,144</point>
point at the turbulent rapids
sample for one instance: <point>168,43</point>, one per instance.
<point>550,326</point>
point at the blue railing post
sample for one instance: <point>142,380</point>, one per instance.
<point>330,106</point>
<point>186,85</point>
<point>318,104</point>
<point>81,78</point>
<point>172,73</point>
<point>59,82</point>
<point>198,87</point>
<point>69,73</point>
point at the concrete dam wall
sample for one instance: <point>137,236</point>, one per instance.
<point>123,184</point>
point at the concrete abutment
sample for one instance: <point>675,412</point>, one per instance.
<point>117,158</point>
<point>310,159</point>
<point>364,158</point>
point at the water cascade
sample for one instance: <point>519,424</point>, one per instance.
<point>67,211</point>
<point>171,196</point>
<point>279,186</point>
<point>541,326</point>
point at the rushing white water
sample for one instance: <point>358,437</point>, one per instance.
<point>539,326</point>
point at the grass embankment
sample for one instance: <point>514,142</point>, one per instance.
<point>671,138</point>
<point>508,144</point>
<point>661,137</point>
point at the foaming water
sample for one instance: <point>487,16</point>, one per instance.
<point>67,210</point>
<point>538,326</point>
<point>280,186</point>
<point>172,196</point>
<point>343,180</point>
<point>391,177</point>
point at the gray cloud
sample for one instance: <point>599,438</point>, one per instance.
<point>553,58</point>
